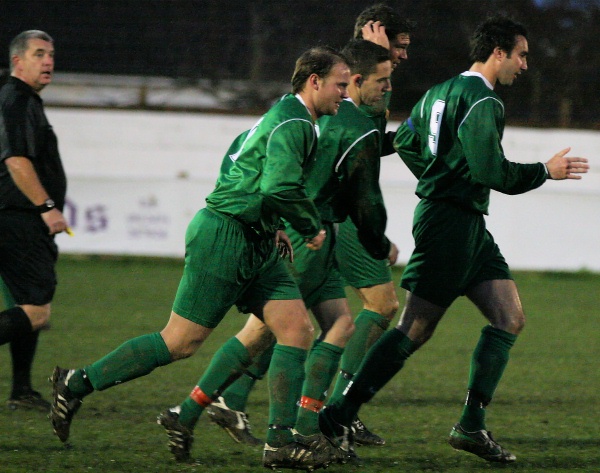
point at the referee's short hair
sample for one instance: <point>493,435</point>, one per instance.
<point>20,43</point>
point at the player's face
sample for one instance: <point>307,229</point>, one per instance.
<point>332,90</point>
<point>374,86</point>
<point>399,48</point>
<point>514,64</point>
<point>36,66</point>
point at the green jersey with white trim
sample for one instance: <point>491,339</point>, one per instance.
<point>452,143</point>
<point>343,179</point>
<point>261,177</point>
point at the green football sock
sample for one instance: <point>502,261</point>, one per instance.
<point>286,375</point>
<point>236,395</point>
<point>321,366</point>
<point>134,358</point>
<point>383,361</point>
<point>227,364</point>
<point>9,301</point>
<point>369,327</point>
<point>487,366</point>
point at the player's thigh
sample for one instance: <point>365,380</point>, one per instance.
<point>289,322</point>
<point>218,268</point>
<point>450,244</point>
<point>499,301</point>
<point>381,298</point>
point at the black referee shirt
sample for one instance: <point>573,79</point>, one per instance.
<point>25,131</point>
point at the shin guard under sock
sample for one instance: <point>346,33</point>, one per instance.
<point>321,366</point>
<point>487,366</point>
<point>286,376</point>
<point>369,327</point>
<point>133,359</point>
<point>383,361</point>
<point>227,364</point>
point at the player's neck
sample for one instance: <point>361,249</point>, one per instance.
<point>486,70</point>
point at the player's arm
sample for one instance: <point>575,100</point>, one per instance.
<point>407,144</point>
<point>366,207</point>
<point>480,135</point>
<point>27,181</point>
<point>282,184</point>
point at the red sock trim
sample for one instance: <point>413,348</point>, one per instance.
<point>311,404</point>
<point>200,398</point>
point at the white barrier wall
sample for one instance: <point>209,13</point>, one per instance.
<point>137,178</point>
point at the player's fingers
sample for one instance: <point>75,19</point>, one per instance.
<point>563,152</point>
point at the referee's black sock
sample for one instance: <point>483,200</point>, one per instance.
<point>13,323</point>
<point>23,350</point>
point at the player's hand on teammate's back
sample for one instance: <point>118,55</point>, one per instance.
<point>565,167</point>
<point>316,242</point>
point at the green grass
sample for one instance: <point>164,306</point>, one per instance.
<point>546,409</point>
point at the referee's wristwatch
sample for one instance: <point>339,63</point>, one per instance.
<point>46,206</point>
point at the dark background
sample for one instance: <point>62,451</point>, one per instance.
<point>258,41</point>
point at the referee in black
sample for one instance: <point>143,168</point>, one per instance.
<point>32,194</point>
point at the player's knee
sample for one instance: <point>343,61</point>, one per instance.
<point>182,351</point>
<point>39,316</point>
<point>513,324</point>
<point>345,325</point>
<point>390,309</point>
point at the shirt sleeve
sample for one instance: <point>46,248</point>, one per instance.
<point>282,184</point>
<point>480,134</point>
<point>408,146</point>
<point>366,205</point>
<point>17,128</point>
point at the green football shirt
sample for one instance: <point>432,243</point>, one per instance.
<point>343,179</point>
<point>452,143</point>
<point>261,176</point>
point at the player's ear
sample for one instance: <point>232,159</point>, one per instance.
<point>313,81</point>
<point>357,79</point>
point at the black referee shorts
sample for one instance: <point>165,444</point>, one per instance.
<point>28,257</point>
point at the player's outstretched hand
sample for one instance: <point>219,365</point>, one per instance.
<point>316,242</point>
<point>284,245</point>
<point>565,167</point>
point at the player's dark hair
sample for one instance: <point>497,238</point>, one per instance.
<point>496,31</point>
<point>393,22</point>
<point>363,56</point>
<point>20,43</point>
<point>319,60</point>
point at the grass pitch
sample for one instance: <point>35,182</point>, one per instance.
<point>546,409</point>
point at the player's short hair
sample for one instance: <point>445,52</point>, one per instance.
<point>496,31</point>
<point>20,43</point>
<point>319,60</point>
<point>363,56</point>
<point>393,22</point>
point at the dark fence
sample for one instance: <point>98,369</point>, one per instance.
<point>258,42</point>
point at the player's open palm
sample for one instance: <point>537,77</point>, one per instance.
<point>566,167</point>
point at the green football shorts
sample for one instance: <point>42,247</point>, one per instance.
<point>453,253</point>
<point>358,268</point>
<point>316,272</point>
<point>226,264</point>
